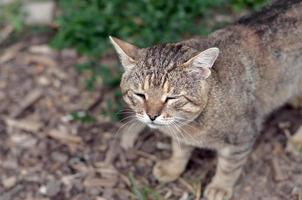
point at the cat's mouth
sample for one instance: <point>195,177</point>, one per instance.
<point>155,125</point>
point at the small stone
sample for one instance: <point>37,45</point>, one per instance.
<point>42,189</point>
<point>9,182</point>
<point>296,190</point>
<point>53,188</point>
<point>94,191</point>
<point>82,197</point>
<point>59,157</point>
<point>43,81</point>
<point>100,198</point>
<point>24,140</point>
<point>41,49</point>
<point>184,196</point>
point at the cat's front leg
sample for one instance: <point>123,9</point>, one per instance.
<point>130,133</point>
<point>169,170</point>
<point>229,167</point>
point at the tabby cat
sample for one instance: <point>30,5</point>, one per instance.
<point>216,92</point>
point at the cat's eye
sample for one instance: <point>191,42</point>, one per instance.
<point>141,95</point>
<point>170,98</point>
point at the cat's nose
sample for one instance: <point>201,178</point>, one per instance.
<point>153,116</point>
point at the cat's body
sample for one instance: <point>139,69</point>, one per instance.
<point>178,89</point>
<point>259,69</point>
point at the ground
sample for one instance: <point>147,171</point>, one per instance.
<point>46,155</point>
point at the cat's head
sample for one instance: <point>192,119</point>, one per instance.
<point>165,84</point>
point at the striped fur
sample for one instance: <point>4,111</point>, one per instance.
<point>258,70</point>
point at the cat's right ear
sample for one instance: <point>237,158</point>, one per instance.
<point>127,52</point>
<point>201,64</point>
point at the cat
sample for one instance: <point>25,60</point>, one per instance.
<point>216,92</point>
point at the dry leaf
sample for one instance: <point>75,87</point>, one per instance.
<point>64,137</point>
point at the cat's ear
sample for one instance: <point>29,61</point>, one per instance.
<point>202,63</point>
<point>127,52</point>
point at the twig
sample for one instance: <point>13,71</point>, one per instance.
<point>198,191</point>
<point>29,100</point>
<point>64,137</point>
<point>96,102</point>
<point>5,33</point>
<point>278,174</point>
<point>187,185</point>
<point>31,126</point>
<point>10,53</point>
<point>144,154</point>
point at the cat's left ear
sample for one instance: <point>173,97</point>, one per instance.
<point>127,52</point>
<point>202,63</point>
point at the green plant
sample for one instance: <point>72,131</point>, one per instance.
<point>110,78</point>
<point>82,117</point>
<point>86,24</point>
<point>143,192</point>
<point>11,14</point>
<point>239,5</point>
<point>114,106</point>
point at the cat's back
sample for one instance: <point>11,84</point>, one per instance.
<point>260,60</point>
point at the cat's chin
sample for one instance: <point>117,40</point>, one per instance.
<point>154,126</point>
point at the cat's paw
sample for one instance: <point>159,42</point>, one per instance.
<point>215,192</point>
<point>165,172</point>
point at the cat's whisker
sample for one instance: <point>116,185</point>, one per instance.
<point>181,130</point>
<point>185,121</point>
<point>188,134</point>
<point>124,111</point>
<point>170,130</point>
<point>177,131</point>
<point>121,127</point>
<point>127,118</point>
<point>176,135</point>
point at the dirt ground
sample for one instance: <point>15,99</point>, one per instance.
<point>46,155</point>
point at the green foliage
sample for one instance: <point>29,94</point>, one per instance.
<point>11,14</point>
<point>109,77</point>
<point>114,105</point>
<point>82,117</point>
<point>239,5</point>
<point>143,192</point>
<point>86,25</point>
<point>110,80</point>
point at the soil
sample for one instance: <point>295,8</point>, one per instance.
<point>46,155</point>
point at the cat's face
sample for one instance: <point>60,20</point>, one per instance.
<point>166,84</point>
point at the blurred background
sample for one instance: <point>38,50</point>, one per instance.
<point>61,110</point>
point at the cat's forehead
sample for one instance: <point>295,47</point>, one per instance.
<point>161,66</point>
<point>159,80</point>
<point>165,56</point>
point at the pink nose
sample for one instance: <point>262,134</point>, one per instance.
<point>153,116</point>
